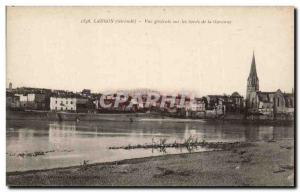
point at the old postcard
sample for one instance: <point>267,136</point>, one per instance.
<point>150,96</point>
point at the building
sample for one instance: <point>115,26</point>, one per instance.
<point>198,105</point>
<point>275,104</point>
<point>86,92</point>
<point>12,101</point>
<point>237,103</point>
<point>71,104</point>
<point>233,103</point>
<point>33,98</point>
<point>214,100</point>
<point>33,101</point>
<point>62,104</point>
<point>195,108</point>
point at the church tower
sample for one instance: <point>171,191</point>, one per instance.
<point>252,85</point>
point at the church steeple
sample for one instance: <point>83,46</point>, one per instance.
<point>253,82</point>
<point>253,72</point>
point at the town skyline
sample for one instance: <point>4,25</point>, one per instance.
<point>125,89</point>
<point>189,92</point>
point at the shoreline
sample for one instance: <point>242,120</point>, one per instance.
<point>263,164</point>
<point>128,117</point>
<point>120,162</point>
<point>219,146</point>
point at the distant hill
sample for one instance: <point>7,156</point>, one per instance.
<point>141,91</point>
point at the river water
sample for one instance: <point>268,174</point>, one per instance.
<point>70,143</point>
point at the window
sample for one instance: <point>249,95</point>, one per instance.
<point>71,102</point>
<point>55,101</point>
<point>61,102</point>
<point>277,102</point>
<point>71,108</point>
<point>66,102</point>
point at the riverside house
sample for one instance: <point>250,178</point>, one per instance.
<point>33,101</point>
<point>70,104</point>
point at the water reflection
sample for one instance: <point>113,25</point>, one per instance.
<point>74,142</point>
<point>59,130</point>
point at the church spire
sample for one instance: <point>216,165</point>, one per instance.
<point>252,85</point>
<point>253,72</point>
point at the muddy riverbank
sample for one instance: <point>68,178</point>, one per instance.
<point>265,163</point>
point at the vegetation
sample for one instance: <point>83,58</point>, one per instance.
<point>190,144</point>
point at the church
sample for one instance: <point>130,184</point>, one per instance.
<point>267,105</point>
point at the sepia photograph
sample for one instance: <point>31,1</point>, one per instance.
<point>150,96</point>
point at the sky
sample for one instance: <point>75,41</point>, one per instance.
<point>55,47</point>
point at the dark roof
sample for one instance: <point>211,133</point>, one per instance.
<point>265,97</point>
<point>218,96</point>
<point>235,94</point>
<point>198,99</point>
<point>69,96</point>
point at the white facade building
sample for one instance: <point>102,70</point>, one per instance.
<point>196,106</point>
<point>26,98</point>
<point>63,104</point>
